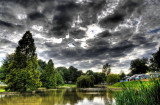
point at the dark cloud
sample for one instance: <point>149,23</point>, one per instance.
<point>105,34</point>
<point>131,26</point>
<point>62,21</point>
<point>35,16</point>
<point>91,10</point>
<point>112,20</point>
<point>122,12</point>
<point>7,43</point>
<point>77,33</point>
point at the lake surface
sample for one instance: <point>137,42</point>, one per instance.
<point>60,97</point>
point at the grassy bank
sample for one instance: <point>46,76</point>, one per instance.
<point>139,93</point>
<point>2,89</point>
<point>67,86</point>
<point>130,84</point>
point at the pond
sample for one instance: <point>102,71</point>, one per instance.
<point>60,97</point>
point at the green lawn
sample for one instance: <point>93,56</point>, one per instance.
<point>2,90</point>
<point>67,85</point>
<point>130,84</point>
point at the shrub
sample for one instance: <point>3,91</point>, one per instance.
<point>85,81</point>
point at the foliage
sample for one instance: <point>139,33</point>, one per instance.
<point>106,69</point>
<point>85,81</point>
<point>89,72</point>
<point>155,61</point>
<point>64,73</point>
<point>130,84</point>
<point>139,66</point>
<point>23,73</point>
<point>99,77</point>
<point>59,79</point>
<point>49,76</point>
<point>4,68</point>
<point>113,78</point>
<point>142,95</point>
<point>42,64</point>
<point>74,73</point>
<point>23,79</point>
<point>122,75</point>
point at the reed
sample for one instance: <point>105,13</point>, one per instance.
<point>141,95</point>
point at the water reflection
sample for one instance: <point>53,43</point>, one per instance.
<point>61,97</point>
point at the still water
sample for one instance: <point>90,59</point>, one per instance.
<point>61,97</point>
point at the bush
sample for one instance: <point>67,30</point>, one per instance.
<point>113,78</point>
<point>142,95</point>
<point>85,81</point>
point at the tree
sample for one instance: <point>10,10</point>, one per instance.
<point>59,79</point>
<point>113,78</point>
<point>64,73</point>
<point>106,69</point>
<point>89,72</point>
<point>49,76</point>
<point>74,73</point>
<point>23,74</point>
<point>4,71</point>
<point>99,77</point>
<point>139,66</point>
<point>155,61</point>
<point>85,81</point>
<point>42,64</point>
<point>122,74</point>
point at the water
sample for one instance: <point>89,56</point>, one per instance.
<point>61,97</point>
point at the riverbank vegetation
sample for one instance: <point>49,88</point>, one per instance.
<point>142,94</point>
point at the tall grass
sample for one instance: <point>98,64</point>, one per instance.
<point>141,95</point>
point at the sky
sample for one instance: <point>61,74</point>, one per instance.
<point>83,33</point>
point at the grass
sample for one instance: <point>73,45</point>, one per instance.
<point>130,84</point>
<point>2,90</point>
<point>67,86</point>
<point>142,93</point>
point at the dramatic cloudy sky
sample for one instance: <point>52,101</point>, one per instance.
<point>83,33</point>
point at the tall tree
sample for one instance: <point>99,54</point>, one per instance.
<point>49,76</point>
<point>155,61</point>
<point>106,69</point>
<point>23,73</point>
<point>138,66</point>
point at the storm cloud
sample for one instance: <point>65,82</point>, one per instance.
<point>83,33</point>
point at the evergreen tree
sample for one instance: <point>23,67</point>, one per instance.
<point>59,78</point>
<point>49,76</point>
<point>23,73</point>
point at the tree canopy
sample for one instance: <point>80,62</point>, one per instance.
<point>138,66</point>
<point>49,76</point>
<point>23,73</point>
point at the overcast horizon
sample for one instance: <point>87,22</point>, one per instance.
<point>85,34</point>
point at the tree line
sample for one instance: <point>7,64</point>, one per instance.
<point>23,71</point>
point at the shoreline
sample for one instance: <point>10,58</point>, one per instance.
<point>45,90</point>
